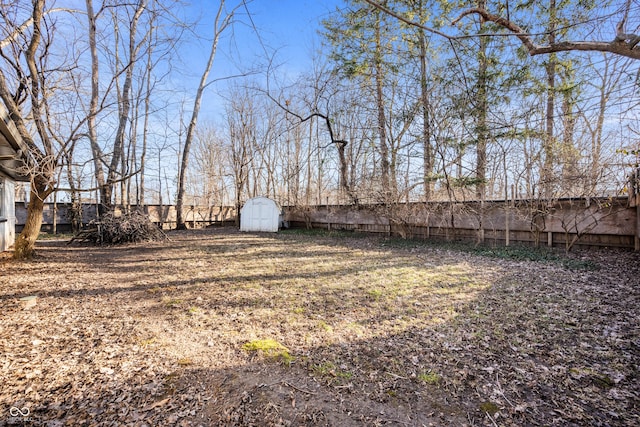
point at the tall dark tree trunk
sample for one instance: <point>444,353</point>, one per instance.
<point>549,138</point>
<point>383,146</point>
<point>427,153</point>
<point>482,104</point>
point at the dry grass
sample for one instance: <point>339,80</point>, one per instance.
<point>222,328</point>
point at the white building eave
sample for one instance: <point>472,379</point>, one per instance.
<point>11,147</point>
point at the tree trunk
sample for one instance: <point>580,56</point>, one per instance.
<point>482,105</point>
<point>426,120</point>
<point>218,27</point>
<point>93,104</point>
<point>549,141</point>
<point>24,247</point>
<point>382,129</point>
<point>571,176</point>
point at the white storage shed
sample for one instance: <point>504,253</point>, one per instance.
<point>260,214</point>
<point>11,145</point>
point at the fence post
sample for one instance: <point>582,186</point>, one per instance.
<point>428,231</point>
<point>637,238</point>
<point>634,200</point>
<point>507,216</point>
<point>481,237</point>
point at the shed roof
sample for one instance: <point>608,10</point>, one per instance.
<point>11,147</point>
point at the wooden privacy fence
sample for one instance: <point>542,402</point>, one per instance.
<point>570,222</point>
<point>58,217</point>
<point>567,222</point>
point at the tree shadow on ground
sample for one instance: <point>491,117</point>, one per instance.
<point>534,345</point>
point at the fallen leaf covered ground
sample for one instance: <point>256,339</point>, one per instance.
<point>217,327</point>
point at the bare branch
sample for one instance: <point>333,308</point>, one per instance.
<point>303,119</point>
<point>86,190</point>
<point>407,21</point>
<point>623,44</point>
<point>28,23</point>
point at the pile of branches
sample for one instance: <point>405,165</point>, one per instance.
<point>114,228</point>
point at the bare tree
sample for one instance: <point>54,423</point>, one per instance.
<point>28,101</point>
<point>115,170</point>
<point>241,127</point>
<point>222,21</point>
<point>210,167</point>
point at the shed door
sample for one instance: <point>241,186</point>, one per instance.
<point>263,215</point>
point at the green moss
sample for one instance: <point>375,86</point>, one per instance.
<point>270,348</point>
<point>173,302</point>
<point>185,361</point>
<point>429,377</point>
<point>489,407</point>
<point>329,369</point>
<point>375,294</point>
<point>147,342</point>
<point>603,381</point>
<point>325,326</point>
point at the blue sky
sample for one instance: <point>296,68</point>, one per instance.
<point>288,29</point>
<point>291,24</point>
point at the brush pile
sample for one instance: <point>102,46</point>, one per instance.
<point>114,228</point>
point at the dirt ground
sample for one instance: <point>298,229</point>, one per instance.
<point>217,327</point>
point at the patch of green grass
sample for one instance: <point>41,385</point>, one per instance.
<point>578,264</point>
<point>429,377</point>
<point>515,252</point>
<point>375,294</point>
<point>185,361</point>
<point>270,348</point>
<point>598,379</point>
<point>329,369</point>
<point>325,326</point>
<point>321,232</point>
<point>158,289</point>
<point>489,407</point>
<point>603,381</point>
<point>57,236</point>
<point>148,341</point>
<point>172,302</point>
